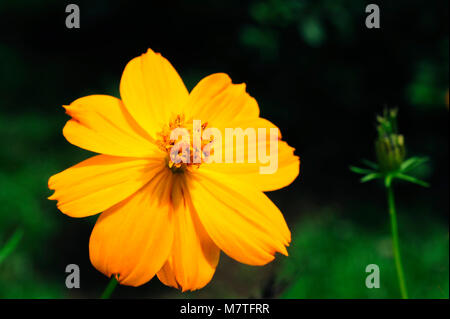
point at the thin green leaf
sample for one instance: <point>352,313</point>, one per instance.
<point>11,244</point>
<point>370,177</point>
<point>388,180</point>
<point>407,163</point>
<point>359,170</point>
<point>371,164</point>
<point>412,179</point>
<point>412,162</point>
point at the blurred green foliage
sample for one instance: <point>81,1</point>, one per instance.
<point>323,23</point>
<point>330,253</point>
<point>26,165</point>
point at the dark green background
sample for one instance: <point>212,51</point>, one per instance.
<point>316,71</point>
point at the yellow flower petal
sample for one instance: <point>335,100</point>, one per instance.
<point>240,219</point>
<point>194,256</point>
<point>100,182</point>
<point>287,172</point>
<point>100,123</point>
<point>152,91</point>
<point>220,103</point>
<point>132,240</point>
<point>288,164</point>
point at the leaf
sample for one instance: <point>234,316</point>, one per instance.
<point>370,177</point>
<point>359,170</point>
<point>388,180</point>
<point>412,163</point>
<point>11,244</point>
<point>412,179</point>
<point>371,164</point>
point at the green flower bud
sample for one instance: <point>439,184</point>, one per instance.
<point>389,146</point>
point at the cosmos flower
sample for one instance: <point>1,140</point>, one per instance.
<point>163,217</point>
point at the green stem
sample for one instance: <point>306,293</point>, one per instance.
<point>394,228</point>
<point>110,288</point>
<point>11,244</point>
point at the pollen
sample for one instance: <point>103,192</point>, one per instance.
<point>188,150</point>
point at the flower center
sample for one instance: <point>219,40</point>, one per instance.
<point>183,142</point>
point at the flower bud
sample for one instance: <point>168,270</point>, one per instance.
<point>389,146</point>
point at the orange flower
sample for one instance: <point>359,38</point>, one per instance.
<point>157,216</point>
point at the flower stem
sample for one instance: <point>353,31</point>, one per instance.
<point>394,229</point>
<point>110,288</point>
